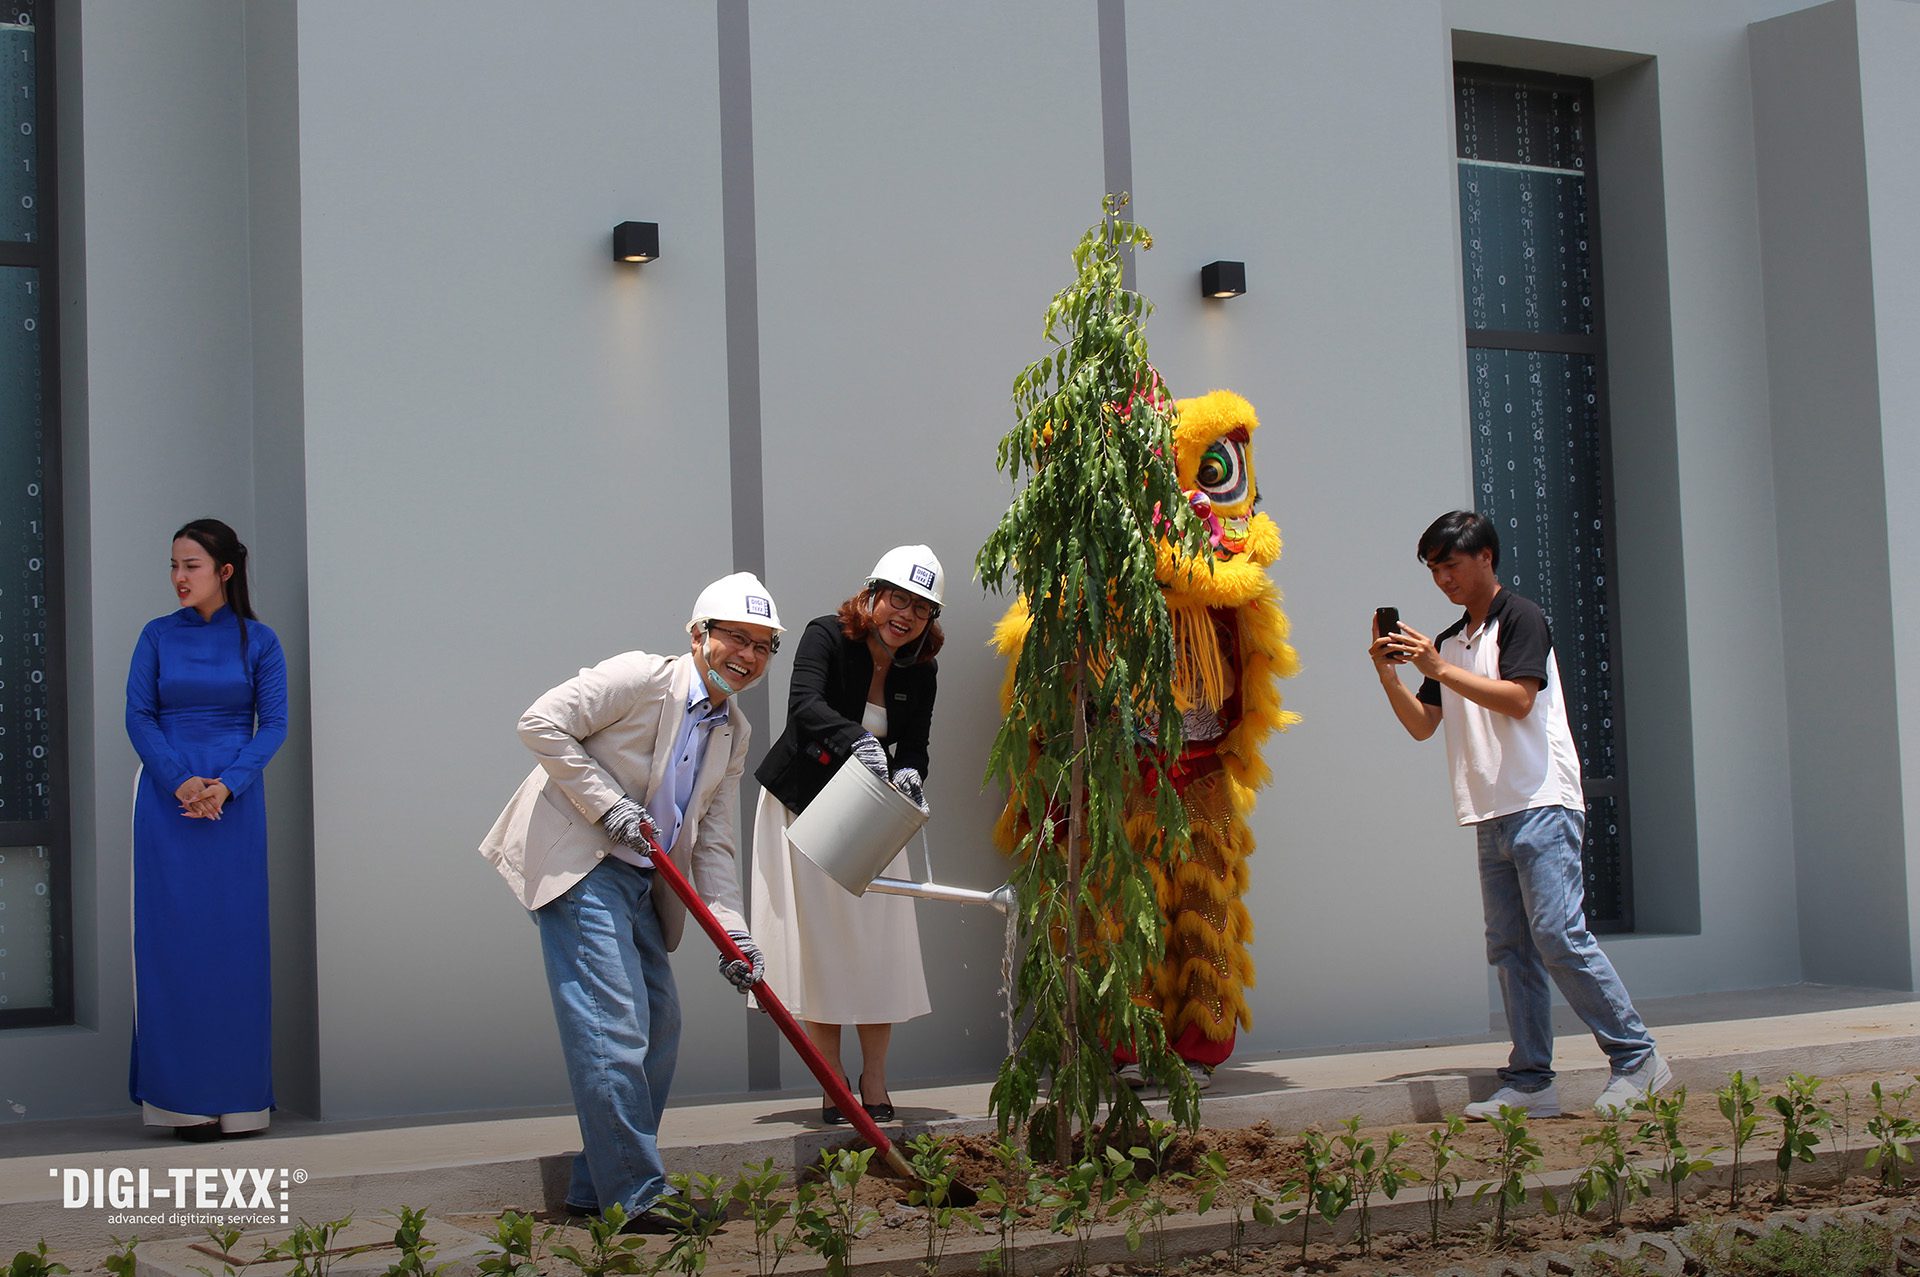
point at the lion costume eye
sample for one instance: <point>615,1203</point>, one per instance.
<point>1222,473</point>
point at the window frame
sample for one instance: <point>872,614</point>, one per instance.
<point>1592,345</point>
<point>55,833</point>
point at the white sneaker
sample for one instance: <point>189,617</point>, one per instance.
<point>1202,1075</point>
<point>1544,1102</point>
<point>1132,1076</point>
<point>1623,1089</point>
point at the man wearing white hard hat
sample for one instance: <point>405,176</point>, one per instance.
<point>638,746</point>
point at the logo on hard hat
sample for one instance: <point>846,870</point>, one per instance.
<point>759,606</point>
<point>920,576</point>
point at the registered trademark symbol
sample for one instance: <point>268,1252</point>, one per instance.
<point>299,1177</point>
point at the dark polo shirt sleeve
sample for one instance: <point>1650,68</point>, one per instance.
<point>1526,641</point>
<point>1429,693</point>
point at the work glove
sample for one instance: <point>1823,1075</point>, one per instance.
<point>744,975</point>
<point>630,823</point>
<point>872,756</point>
<point>907,781</point>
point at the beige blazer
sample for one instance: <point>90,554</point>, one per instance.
<point>603,736</point>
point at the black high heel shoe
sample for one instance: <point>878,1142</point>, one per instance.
<point>831,1115</point>
<point>881,1112</point>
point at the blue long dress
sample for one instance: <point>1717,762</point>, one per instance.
<point>198,706</point>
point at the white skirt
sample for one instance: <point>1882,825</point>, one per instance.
<point>832,957</point>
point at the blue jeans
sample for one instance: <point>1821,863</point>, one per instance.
<point>619,1018</point>
<point>1534,897</point>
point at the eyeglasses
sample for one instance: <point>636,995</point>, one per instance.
<point>738,638</point>
<point>904,601</point>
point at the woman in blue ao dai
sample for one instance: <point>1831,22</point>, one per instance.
<point>206,709</point>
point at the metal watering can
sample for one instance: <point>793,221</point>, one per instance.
<point>858,824</point>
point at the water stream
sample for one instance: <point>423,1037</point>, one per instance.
<point>1006,974</point>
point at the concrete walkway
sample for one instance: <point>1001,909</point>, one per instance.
<point>491,1164</point>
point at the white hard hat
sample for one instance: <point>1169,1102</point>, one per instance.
<point>739,597</point>
<point>913,568</point>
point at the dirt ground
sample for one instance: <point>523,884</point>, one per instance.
<point>1265,1157</point>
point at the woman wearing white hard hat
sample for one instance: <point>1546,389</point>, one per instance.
<point>863,688</point>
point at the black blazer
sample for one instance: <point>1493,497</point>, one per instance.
<point>831,673</point>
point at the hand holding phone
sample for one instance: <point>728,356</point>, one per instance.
<point>1386,622</point>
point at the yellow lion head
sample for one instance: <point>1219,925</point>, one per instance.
<point>1213,454</point>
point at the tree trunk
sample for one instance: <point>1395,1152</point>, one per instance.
<point>1076,843</point>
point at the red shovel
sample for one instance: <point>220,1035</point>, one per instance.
<point>830,1080</point>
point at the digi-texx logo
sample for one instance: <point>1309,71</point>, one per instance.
<point>181,1194</point>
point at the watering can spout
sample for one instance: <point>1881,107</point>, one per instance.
<point>1000,897</point>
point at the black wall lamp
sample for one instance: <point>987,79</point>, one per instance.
<point>1223,279</point>
<point>636,241</point>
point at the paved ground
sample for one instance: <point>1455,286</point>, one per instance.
<point>492,1163</point>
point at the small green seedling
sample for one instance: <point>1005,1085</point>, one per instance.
<point>34,1263</point>
<point>757,1189</point>
<point>693,1221</point>
<point>415,1253</point>
<point>931,1160</point>
<point>121,1263</point>
<point>608,1254</point>
<point>1516,1157</point>
<point>1801,1118</point>
<point>1739,1099</point>
<point>1145,1189</point>
<point>1004,1199</point>
<point>1617,1180</point>
<point>1443,1182</point>
<point>1324,1191</point>
<point>1660,1125</point>
<point>1369,1169</point>
<point>835,1221</point>
<point>1076,1200</point>
<point>513,1234</point>
<point>1242,1198</point>
<point>308,1248</point>
<point>1890,1128</point>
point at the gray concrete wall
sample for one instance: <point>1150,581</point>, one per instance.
<point>1834,566</point>
<point>157,433</point>
<point>1659,738</point>
<point>914,219</point>
<point>1889,103</point>
<point>516,465</point>
<point>279,476</point>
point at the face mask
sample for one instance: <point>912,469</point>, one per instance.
<point>715,679</point>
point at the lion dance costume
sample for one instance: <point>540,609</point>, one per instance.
<point>1230,638</point>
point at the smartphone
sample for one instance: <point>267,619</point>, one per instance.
<point>1385,620</point>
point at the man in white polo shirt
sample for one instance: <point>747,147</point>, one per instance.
<point>1491,678</point>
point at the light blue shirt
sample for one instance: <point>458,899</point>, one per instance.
<point>683,767</point>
